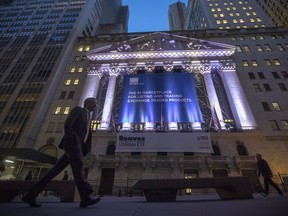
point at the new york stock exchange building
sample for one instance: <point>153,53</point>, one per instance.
<point>171,105</point>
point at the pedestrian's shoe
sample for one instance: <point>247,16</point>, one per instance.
<point>264,194</point>
<point>31,200</point>
<point>91,201</point>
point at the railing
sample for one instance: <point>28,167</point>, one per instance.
<point>247,162</point>
<point>218,162</point>
<point>162,161</point>
<point>135,159</point>
<point>190,161</point>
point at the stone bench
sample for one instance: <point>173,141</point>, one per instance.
<point>159,190</point>
<point>9,189</point>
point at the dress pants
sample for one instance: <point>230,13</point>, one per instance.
<point>267,181</point>
<point>73,156</point>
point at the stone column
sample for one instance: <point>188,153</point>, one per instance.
<point>107,109</point>
<point>238,102</point>
<point>91,85</point>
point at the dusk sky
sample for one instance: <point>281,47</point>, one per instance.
<point>148,15</point>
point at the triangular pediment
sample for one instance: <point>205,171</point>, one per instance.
<point>160,42</point>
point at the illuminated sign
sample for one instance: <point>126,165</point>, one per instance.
<point>152,97</point>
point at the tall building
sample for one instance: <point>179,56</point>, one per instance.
<point>210,14</point>
<point>36,38</point>
<point>177,14</point>
<point>277,10</point>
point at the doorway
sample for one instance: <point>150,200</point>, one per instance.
<point>107,181</point>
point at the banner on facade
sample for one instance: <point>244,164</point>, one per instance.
<point>164,142</point>
<point>157,96</point>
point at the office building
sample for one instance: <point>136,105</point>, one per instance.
<point>177,14</point>
<point>36,38</point>
<point>210,14</point>
<point>277,10</point>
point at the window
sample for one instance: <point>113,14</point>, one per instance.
<point>216,150</point>
<point>76,82</point>
<point>62,95</point>
<point>68,82</point>
<point>241,149</point>
<point>276,106</point>
<point>254,63</point>
<point>251,75</point>
<point>87,48</point>
<point>274,125</point>
<point>259,48</point>
<point>71,95</point>
<point>57,110</point>
<point>284,74</point>
<point>275,75</point>
<point>80,70</point>
<point>277,62</point>
<point>282,86</point>
<point>245,63</point>
<point>261,75</point>
<point>268,48</point>
<point>238,48</point>
<point>285,124</point>
<point>253,38</point>
<point>80,49</point>
<point>66,110</point>
<point>268,62</point>
<point>267,87</point>
<point>280,47</point>
<point>265,106</point>
<point>247,49</point>
<point>257,88</point>
<point>72,70</point>
<point>76,59</point>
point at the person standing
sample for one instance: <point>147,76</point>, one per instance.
<point>265,171</point>
<point>66,176</point>
<point>76,144</point>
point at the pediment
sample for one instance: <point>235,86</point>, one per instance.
<point>157,43</point>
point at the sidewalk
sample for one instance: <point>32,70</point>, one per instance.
<point>194,205</point>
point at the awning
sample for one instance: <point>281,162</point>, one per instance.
<point>27,154</point>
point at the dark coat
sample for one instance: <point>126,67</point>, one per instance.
<point>264,169</point>
<point>75,129</point>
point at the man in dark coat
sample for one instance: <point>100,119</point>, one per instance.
<point>76,143</point>
<point>264,169</point>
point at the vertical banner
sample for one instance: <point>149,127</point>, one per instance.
<point>152,97</point>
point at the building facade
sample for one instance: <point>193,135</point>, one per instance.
<point>177,14</point>
<point>236,82</point>
<point>276,10</point>
<point>36,39</point>
<point>211,14</point>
